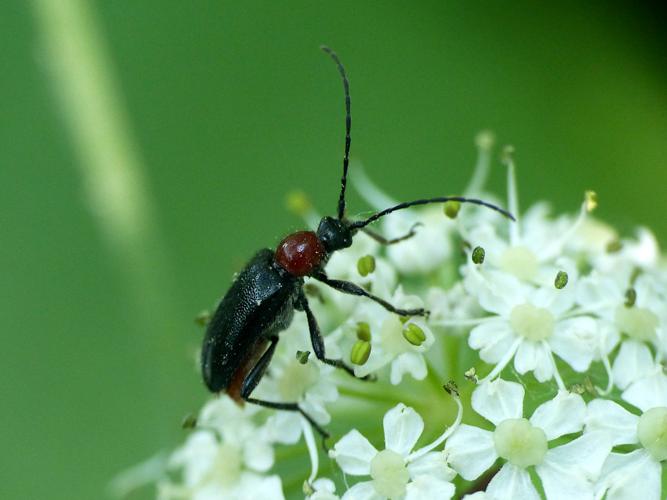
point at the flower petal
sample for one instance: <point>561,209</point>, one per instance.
<point>575,341</point>
<point>512,482</point>
<point>408,362</point>
<point>362,491</point>
<point>429,487</point>
<point>402,428</point>
<point>564,414</point>
<point>499,400</point>
<point>648,392</point>
<point>607,416</point>
<point>570,471</point>
<point>493,339</point>
<point>470,451</point>
<point>630,476</point>
<point>433,464</point>
<point>632,362</point>
<point>354,453</point>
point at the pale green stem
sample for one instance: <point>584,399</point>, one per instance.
<point>111,171</point>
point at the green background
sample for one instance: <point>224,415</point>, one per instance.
<point>230,105</point>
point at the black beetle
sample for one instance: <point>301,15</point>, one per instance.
<point>242,334</point>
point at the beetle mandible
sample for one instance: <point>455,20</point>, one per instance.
<point>242,334</point>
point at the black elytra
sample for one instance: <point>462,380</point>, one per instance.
<point>242,334</point>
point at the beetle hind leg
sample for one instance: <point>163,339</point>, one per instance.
<point>255,375</point>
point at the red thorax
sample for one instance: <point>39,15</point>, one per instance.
<point>300,253</point>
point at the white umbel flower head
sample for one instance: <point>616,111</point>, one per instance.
<point>637,474</point>
<point>566,471</point>
<point>396,472</point>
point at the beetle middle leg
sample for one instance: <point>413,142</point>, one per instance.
<point>318,342</point>
<point>255,375</point>
<point>353,289</point>
<point>385,241</point>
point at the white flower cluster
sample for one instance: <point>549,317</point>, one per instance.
<point>554,329</point>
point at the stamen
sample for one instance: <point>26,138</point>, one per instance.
<point>556,248</point>
<point>478,255</point>
<point>484,142</point>
<point>448,432</point>
<point>366,265</point>
<point>361,350</point>
<point>503,362</point>
<point>363,331</point>
<point>298,203</point>
<point>559,379</point>
<point>512,194</point>
<point>312,451</point>
<point>610,377</point>
<point>561,280</point>
<point>367,189</point>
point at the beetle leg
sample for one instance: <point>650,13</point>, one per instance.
<point>352,289</point>
<point>384,241</point>
<point>318,343</point>
<point>252,379</point>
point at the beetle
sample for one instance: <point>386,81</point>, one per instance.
<point>242,335</point>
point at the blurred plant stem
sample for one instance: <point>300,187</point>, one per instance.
<point>109,163</point>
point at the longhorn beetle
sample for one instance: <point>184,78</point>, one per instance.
<point>242,334</point>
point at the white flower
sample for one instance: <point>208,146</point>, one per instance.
<point>529,324</point>
<point>389,344</point>
<point>642,379</point>
<point>214,469</point>
<point>567,471</point>
<point>431,244</point>
<point>636,474</point>
<point>311,384</point>
<point>323,489</point>
<point>395,472</point>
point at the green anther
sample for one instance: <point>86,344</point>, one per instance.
<point>203,318</point>
<point>297,203</point>
<point>630,297</point>
<point>614,246</point>
<point>478,254</point>
<point>507,154</point>
<point>302,356</point>
<point>366,265</point>
<point>363,331</point>
<point>561,280</point>
<point>452,209</point>
<point>451,388</point>
<point>590,200</point>
<point>361,350</point>
<point>414,334</point>
<point>189,421</point>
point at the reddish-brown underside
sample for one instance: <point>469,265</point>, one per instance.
<point>234,388</point>
<point>300,253</point>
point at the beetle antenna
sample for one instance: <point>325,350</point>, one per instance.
<point>443,199</point>
<point>348,126</point>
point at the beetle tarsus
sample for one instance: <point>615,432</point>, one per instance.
<point>384,241</point>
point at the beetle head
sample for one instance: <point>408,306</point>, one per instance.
<point>334,234</point>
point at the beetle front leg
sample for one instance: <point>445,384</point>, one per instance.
<point>252,379</point>
<point>317,341</point>
<point>385,241</point>
<point>352,289</point>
